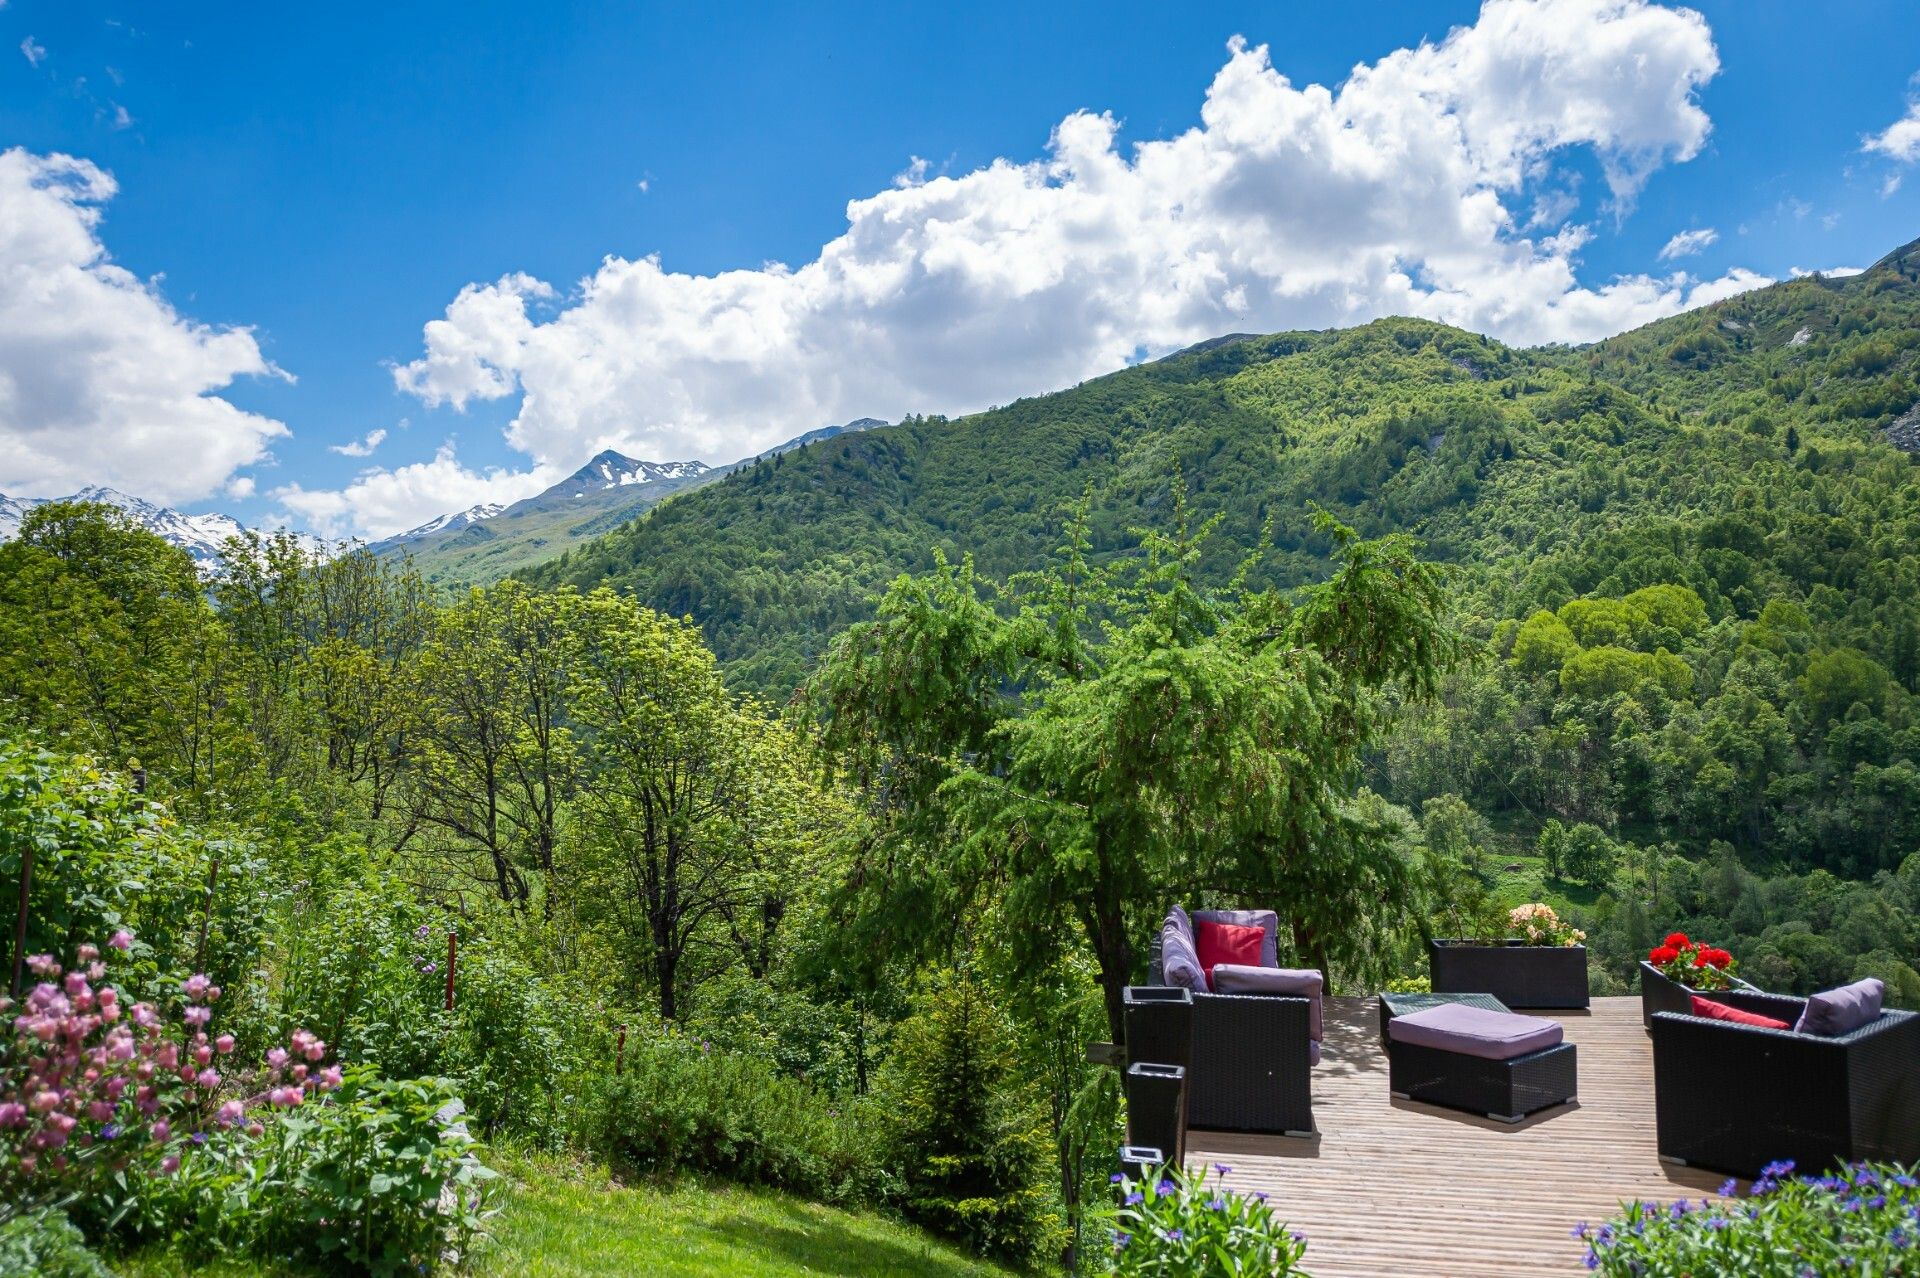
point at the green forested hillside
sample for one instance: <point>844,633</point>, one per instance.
<point>1691,551</point>
<point>1523,463</point>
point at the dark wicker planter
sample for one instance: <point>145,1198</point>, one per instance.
<point>1518,974</point>
<point>1658,994</point>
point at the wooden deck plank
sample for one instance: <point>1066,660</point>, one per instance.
<point>1393,1187</point>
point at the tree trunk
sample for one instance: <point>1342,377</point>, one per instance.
<point>1113,951</point>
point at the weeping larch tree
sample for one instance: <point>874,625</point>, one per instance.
<point>1092,742</point>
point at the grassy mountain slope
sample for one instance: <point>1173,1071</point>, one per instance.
<point>532,531</point>
<point>1515,463</point>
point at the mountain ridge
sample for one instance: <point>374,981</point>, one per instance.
<point>470,547</point>
<point>202,536</point>
<point>1396,425</point>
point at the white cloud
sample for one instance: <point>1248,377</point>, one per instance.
<point>1830,272</point>
<point>381,502</point>
<point>1687,243</point>
<point>359,447</point>
<point>240,487</point>
<point>101,380</point>
<point>1287,206</point>
<point>1888,187</point>
<point>35,51</point>
<point>1899,140</point>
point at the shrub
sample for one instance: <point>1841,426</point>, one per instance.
<point>44,1244</point>
<point>381,1177</point>
<point>361,962</point>
<point>682,1106</point>
<point>378,1178</point>
<point>1864,1220</point>
<point>106,859</point>
<point>969,1139</point>
<point>1177,1225</point>
<point>131,1114</point>
<point>517,1046</point>
<point>808,1039</point>
<point>96,1089</point>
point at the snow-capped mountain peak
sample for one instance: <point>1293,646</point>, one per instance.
<point>457,520</point>
<point>610,469</point>
<point>201,536</point>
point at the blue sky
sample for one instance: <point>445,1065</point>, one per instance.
<point>332,178</point>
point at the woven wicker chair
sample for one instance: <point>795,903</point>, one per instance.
<point>1250,1068</point>
<point>1736,1097</point>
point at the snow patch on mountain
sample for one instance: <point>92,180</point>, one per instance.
<point>201,536</point>
<point>609,469</point>
<point>452,522</point>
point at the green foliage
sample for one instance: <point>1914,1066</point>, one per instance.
<point>44,1244</point>
<point>1543,643</point>
<point>1860,1220</point>
<point>1180,1225</point>
<point>681,1106</point>
<point>825,1042</point>
<point>381,1178</point>
<point>105,859</point>
<point>965,1129</point>
<point>1111,737</point>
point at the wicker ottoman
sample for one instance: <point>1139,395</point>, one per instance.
<point>1500,1064</point>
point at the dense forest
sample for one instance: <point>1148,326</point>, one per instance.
<point>805,831</point>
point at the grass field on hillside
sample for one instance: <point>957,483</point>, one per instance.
<point>565,1220</point>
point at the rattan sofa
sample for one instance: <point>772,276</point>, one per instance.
<point>1250,1066</point>
<point>1734,1098</point>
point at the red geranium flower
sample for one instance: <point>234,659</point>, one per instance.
<point>1718,958</point>
<point>1678,940</point>
<point>1661,955</point>
<point>1700,958</point>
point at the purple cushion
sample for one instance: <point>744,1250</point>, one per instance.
<point>1179,960</point>
<point>1844,1010</point>
<point>1232,978</point>
<point>1475,1031</point>
<point>1266,920</point>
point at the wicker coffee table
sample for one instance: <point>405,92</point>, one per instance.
<point>1392,1005</point>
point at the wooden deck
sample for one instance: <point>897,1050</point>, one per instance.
<point>1392,1187</point>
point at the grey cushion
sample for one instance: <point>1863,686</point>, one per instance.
<point>1266,920</point>
<point>1475,1031</point>
<point>1844,1010</point>
<point>1179,961</point>
<point>1237,978</point>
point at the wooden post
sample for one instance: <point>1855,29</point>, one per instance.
<point>451,946</point>
<point>620,1053</point>
<point>20,924</point>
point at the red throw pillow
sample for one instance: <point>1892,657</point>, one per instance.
<point>1219,943</point>
<point>1721,1012</point>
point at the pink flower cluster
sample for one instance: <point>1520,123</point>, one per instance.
<point>90,1077</point>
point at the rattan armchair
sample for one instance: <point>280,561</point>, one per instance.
<point>1250,1064</point>
<point>1736,1097</point>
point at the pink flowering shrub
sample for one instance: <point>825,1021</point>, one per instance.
<point>95,1087</point>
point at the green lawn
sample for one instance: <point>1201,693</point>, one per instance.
<point>562,1220</point>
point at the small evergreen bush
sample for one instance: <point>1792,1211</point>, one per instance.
<point>968,1136</point>
<point>683,1106</point>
